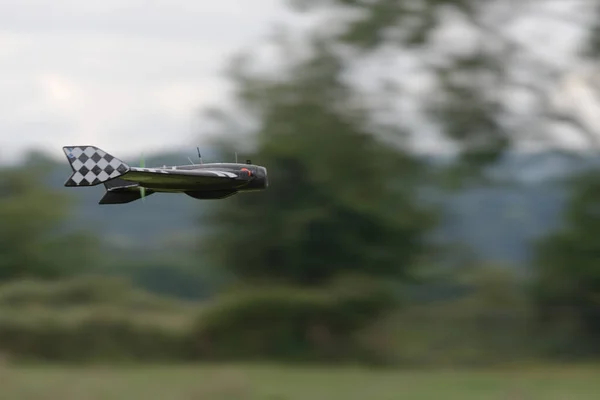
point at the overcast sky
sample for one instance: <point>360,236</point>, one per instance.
<point>129,75</point>
<point>125,75</point>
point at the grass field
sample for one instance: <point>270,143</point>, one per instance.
<point>286,383</point>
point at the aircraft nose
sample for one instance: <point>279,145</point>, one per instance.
<point>259,179</point>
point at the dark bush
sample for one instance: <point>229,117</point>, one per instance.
<point>81,291</point>
<point>488,322</point>
<point>91,319</point>
<point>353,320</point>
<point>289,324</point>
<point>91,336</point>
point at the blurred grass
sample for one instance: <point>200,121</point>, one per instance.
<point>227,382</point>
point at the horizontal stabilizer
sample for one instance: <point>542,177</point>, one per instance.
<point>123,197</point>
<point>92,166</point>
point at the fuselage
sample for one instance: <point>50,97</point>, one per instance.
<point>243,177</point>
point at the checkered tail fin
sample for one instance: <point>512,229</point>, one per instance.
<point>92,166</point>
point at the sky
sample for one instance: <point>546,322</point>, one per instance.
<point>130,76</point>
<point>125,75</point>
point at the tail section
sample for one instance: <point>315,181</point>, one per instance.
<point>92,166</point>
<point>119,191</point>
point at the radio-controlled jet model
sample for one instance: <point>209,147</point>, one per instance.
<point>124,184</point>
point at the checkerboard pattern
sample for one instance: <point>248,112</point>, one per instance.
<point>92,166</point>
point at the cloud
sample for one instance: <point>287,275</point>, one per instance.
<point>157,18</point>
<point>127,75</point>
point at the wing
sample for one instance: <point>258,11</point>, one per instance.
<point>184,178</point>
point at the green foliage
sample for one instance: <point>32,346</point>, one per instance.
<point>32,242</point>
<point>487,321</point>
<point>290,324</point>
<point>470,111</point>
<point>340,200</point>
<point>91,320</point>
<point>416,20</point>
<point>83,291</point>
<point>568,288</point>
<point>490,91</point>
<point>182,277</point>
<point>92,335</point>
<point>106,320</point>
<point>356,320</point>
<point>466,107</point>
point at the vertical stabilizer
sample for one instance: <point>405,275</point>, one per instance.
<point>92,166</point>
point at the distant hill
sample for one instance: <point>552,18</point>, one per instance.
<point>498,223</point>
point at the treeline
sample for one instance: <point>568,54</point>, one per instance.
<point>105,320</point>
<point>98,319</point>
<point>336,261</point>
<point>430,314</point>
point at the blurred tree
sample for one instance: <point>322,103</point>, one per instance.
<point>483,83</point>
<point>33,242</point>
<point>482,94</point>
<point>568,290</point>
<point>488,84</point>
<point>341,200</point>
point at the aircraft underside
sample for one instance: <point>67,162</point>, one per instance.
<point>130,195</point>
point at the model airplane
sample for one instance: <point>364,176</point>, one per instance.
<point>124,184</point>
